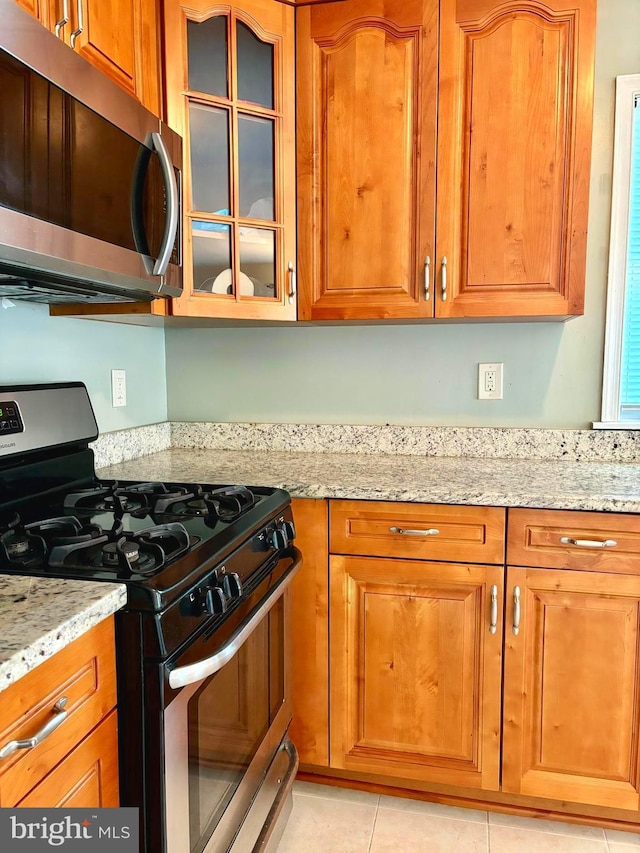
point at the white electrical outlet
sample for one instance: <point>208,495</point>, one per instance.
<point>490,381</point>
<point>118,388</point>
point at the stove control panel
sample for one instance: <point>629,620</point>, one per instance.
<point>10,419</point>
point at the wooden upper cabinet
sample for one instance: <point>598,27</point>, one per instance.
<point>231,95</point>
<point>571,710</point>
<point>119,37</point>
<point>504,231</point>
<point>366,157</point>
<point>38,8</point>
<point>514,144</point>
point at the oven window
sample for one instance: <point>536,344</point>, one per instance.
<point>228,718</point>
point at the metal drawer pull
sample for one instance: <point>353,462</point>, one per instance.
<point>444,279</point>
<point>432,531</point>
<point>64,20</point>
<point>494,610</point>
<point>427,277</point>
<point>588,543</point>
<point>516,610</point>
<point>59,716</point>
<point>293,282</point>
<point>80,28</point>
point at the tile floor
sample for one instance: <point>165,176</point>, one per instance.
<point>338,820</point>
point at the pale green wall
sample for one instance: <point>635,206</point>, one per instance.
<point>37,348</point>
<point>422,374</point>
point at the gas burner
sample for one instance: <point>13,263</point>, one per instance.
<point>230,502</point>
<point>108,497</point>
<point>19,547</point>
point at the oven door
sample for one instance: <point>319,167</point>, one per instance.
<point>225,727</point>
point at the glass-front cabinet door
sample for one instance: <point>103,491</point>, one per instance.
<point>230,94</point>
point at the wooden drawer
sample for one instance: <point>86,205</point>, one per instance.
<point>559,539</point>
<point>465,534</point>
<point>87,777</point>
<point>85,673</point>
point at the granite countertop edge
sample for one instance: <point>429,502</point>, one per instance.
<point>41,617</point>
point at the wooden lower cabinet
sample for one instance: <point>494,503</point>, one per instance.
<point>310,628</point>
<point>87,777</point>
<point>415,671</point>
<point>76,764</point>
<point>399,681</point>
<point>571,703</point>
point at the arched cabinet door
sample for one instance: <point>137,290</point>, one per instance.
<point>367,86</point>
<point>230,93</point>
<point>514,146</point>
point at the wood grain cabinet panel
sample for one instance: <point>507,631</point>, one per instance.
<point>418,531</point>
<point>84,673</point>
<point>571,707</point>
<point>415,679</point>
<point>512,86</point>
<point>121,39</point>
<point>588,541</point>
<point>515,106</point>
<point>87,777</point>
<point>366,143</point>
<point>310,630</point>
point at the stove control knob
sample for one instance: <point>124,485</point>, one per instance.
<point>218,599</point>
<point>278,539</point>
<point>232,585</point>
<point>210,601</point>
<point>289,530</point>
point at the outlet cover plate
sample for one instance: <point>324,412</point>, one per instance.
<point>490,381</point>
<point>118,388</point>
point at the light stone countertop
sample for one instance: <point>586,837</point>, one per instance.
<point>40,616</point>
<point>606,486</point>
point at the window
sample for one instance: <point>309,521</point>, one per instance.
<point>621,383</point>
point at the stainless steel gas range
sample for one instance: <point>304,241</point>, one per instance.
<point>202,642</point>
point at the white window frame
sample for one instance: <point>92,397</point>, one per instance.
<point>627,90</point>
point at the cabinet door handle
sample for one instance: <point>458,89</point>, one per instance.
<point>432,531</point>
<point>293,282</point>
<point>588,543</point>
<point>493,627</point>
<point>64,20</point>
<point>516,610</point>
<point>444,279</point>
<point>80,28</point>
<point>427,277</point>
<point>59,716</point>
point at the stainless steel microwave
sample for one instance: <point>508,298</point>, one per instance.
<point>89,179</point>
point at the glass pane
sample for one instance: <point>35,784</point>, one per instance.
<point>227,719</point>
<point>207,50</point>
<point>255,68</point>
<point>209,132</point>
<point>255,157</point>
<point>212,257</point>
<point>257,262</point>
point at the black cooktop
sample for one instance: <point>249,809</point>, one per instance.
<point>155,537</point>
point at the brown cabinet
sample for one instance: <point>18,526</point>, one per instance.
<point>416,650</point>
<point>416,669</point>
<point>119,37</point>
<point>76,763</point>
<point>512,85</point>
<point>571,713</point>
<point>572,658</point>
<point>230,94</point>
<point>403,664</point>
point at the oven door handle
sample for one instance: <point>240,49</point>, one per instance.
<point>192,673</point>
